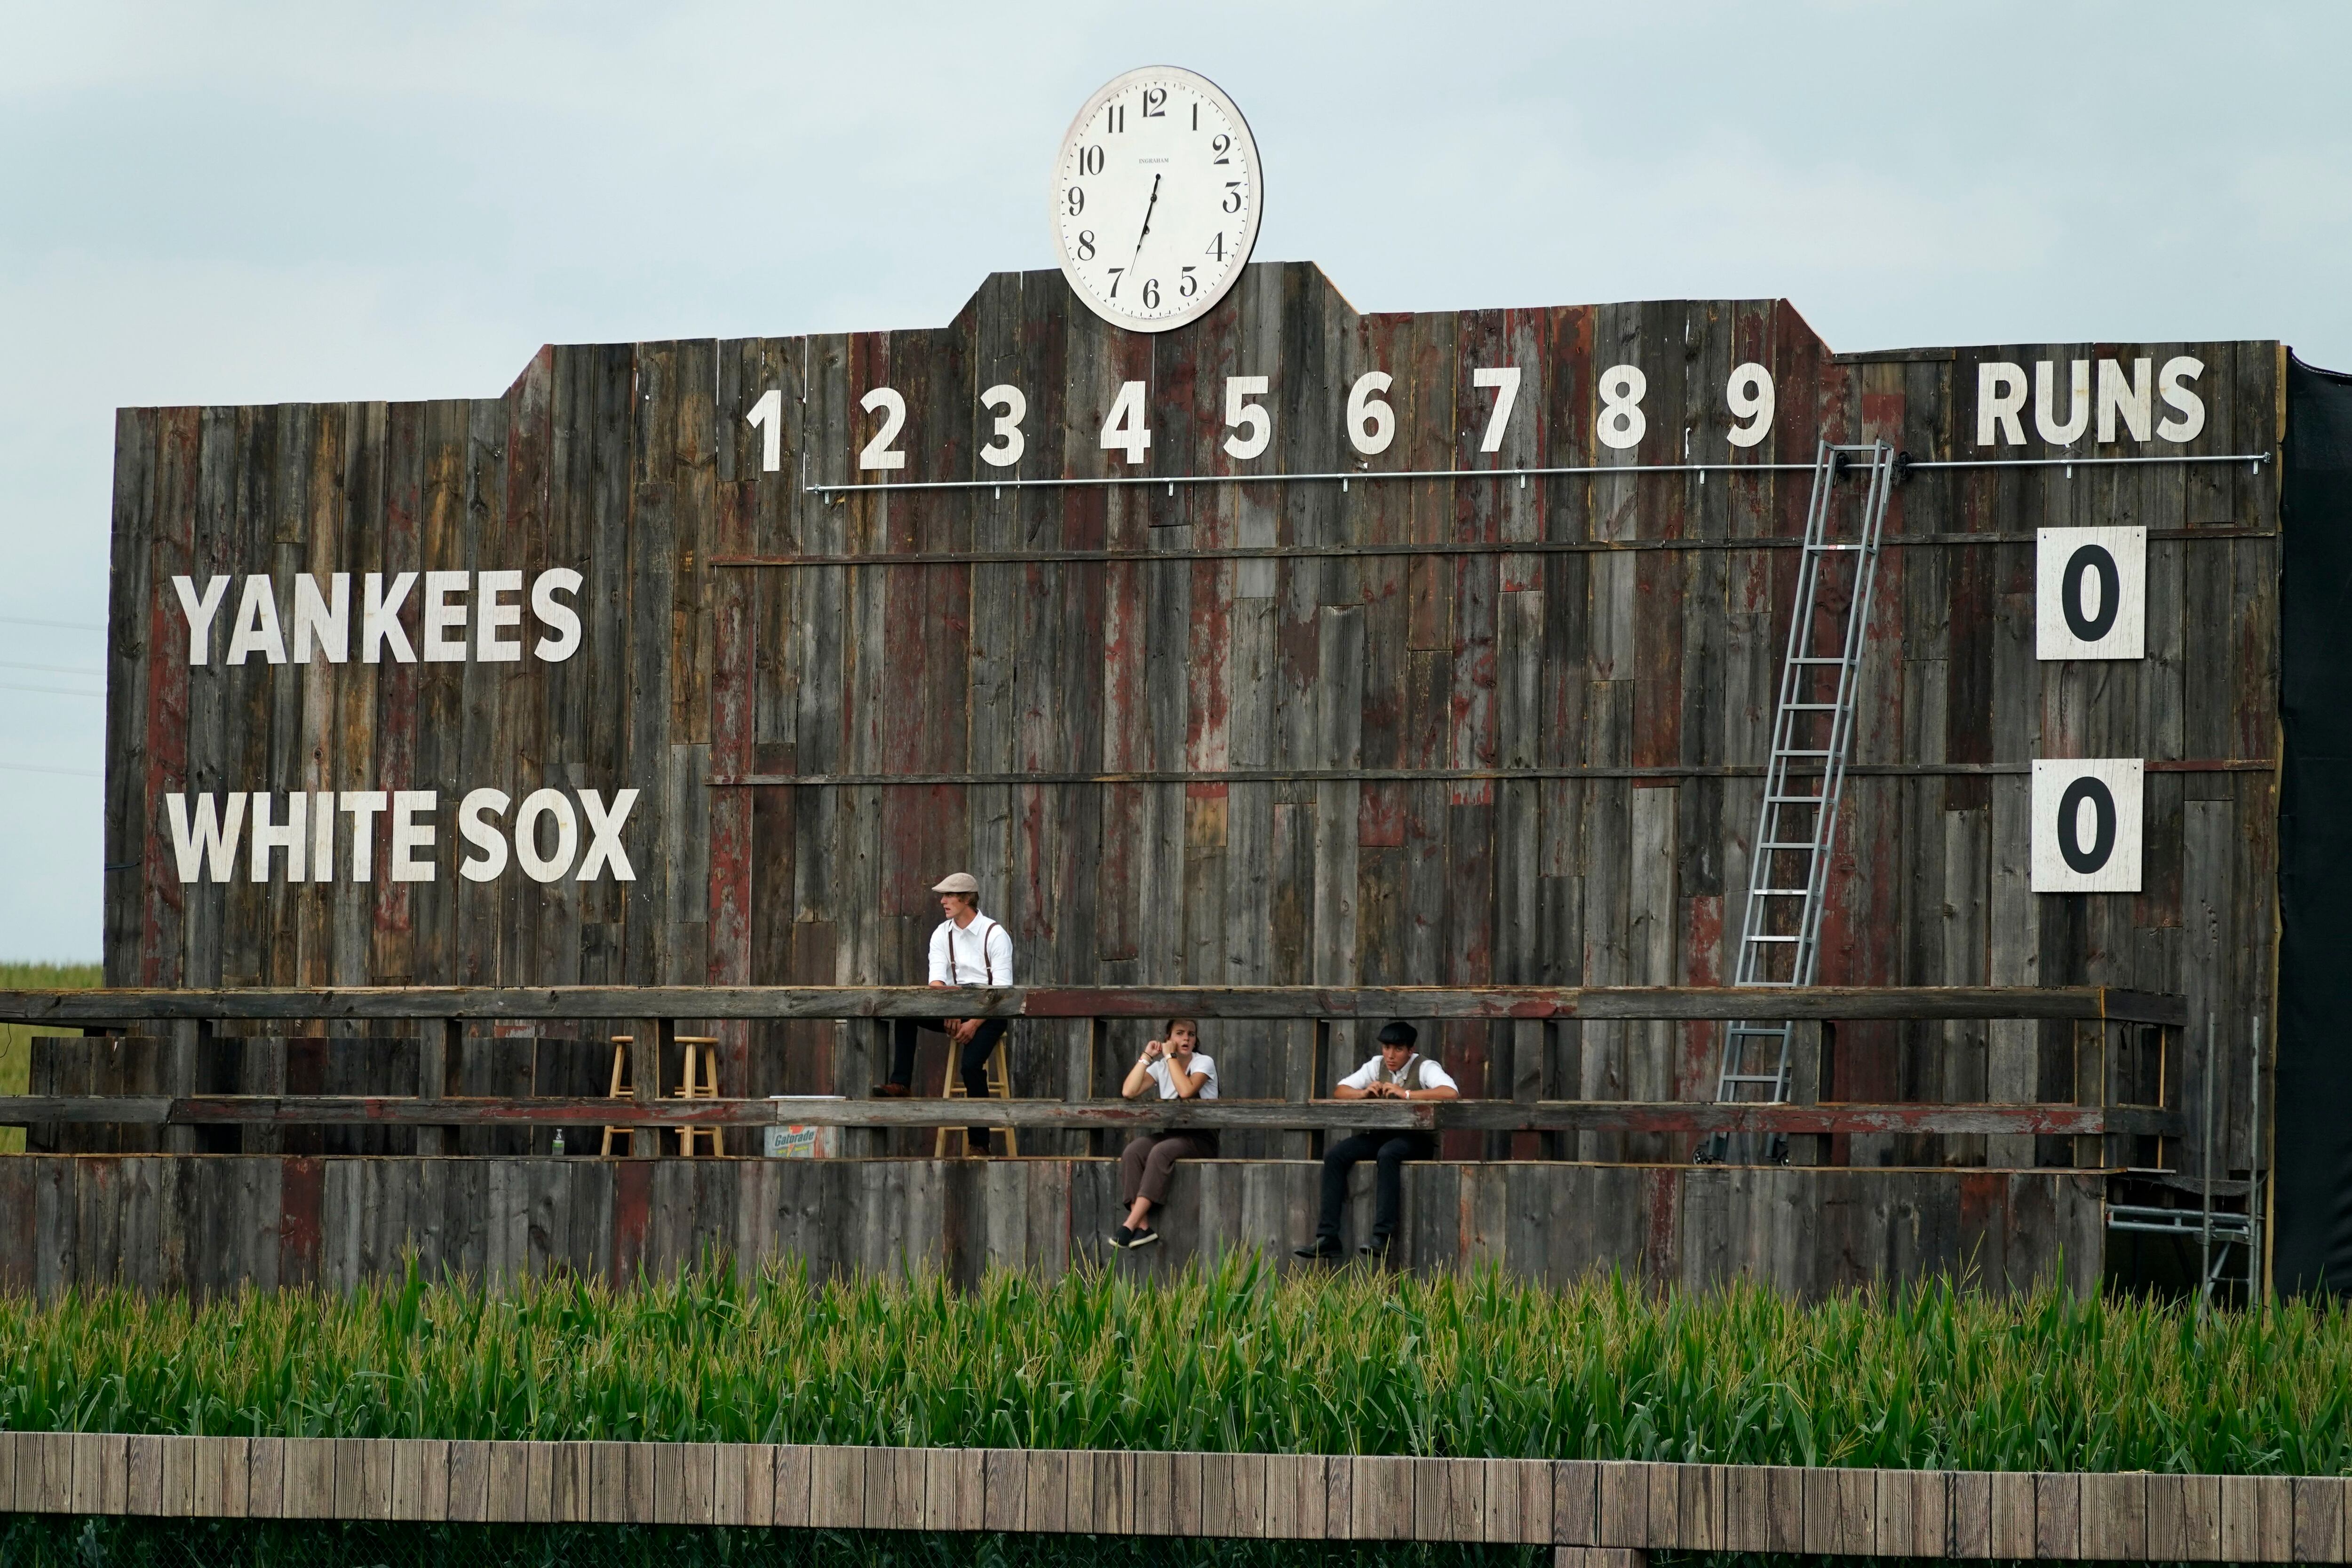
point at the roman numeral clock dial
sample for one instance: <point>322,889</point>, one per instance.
<point>1156,198</point>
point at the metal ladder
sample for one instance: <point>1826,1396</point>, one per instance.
<point>1812,735</point>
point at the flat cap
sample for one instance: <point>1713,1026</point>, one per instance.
<point>1396,1031</point>
<point>957,882</point>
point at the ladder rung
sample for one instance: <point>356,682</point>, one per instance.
<point>1815,659</point>
<point>1798,799</point>
<point>1777,891</point>
<point>1770,939</point>
<point>1833,547</point>
<point>1808,707</point>
<point>1774,1078</point>
<point>1804,751</point>
<point>1788,844</point>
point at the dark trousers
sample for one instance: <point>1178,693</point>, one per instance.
<point>975,1058</point>
<point>1391,1150</point>
<point>1150,1159</point>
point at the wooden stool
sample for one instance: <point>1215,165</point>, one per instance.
<point>1000,1087</point>
<point>708,1090</point>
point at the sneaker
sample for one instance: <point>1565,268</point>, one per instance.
<point>1377,1248</point>
<point>1122,1237</point>
<point>1322,1249</point>
<point>891,1091</point>
<point>1143,1237</point>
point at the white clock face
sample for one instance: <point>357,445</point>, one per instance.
<point>1156,198</point>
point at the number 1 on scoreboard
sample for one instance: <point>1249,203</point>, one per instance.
<point>767,417</point>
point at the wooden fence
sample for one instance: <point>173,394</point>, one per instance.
<point>209,1225</point>
<point>1586,1509</point>
<point>150,1217</point>
<point>2100,1119</point>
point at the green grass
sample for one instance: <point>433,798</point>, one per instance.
<point>1235,1358</point>
<point>16,1040</point>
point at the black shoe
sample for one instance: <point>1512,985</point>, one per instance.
<point>1143,1237</point>
<point>891,1091</point>
<point>975,1143</point>
<point>1322,1249</point>
<point>1377,1248</point>
<point>1122,1239</point>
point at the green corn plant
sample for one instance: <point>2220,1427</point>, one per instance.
<point>1233,1356</point>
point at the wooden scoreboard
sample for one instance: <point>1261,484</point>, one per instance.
<point>1260,641</point>
<point>651,671</point>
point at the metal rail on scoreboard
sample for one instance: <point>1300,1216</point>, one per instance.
<point>1349,477</point>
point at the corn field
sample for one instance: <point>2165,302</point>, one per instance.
<point>16,1039</point>
<point>1233,1358</point>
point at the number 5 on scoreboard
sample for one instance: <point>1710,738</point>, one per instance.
<point>1252,426</point>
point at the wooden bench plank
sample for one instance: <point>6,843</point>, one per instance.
<point>420,1478</point>
<point>1005,1490</point>
<point>469,1480</point>
<point>2115,1517</point>
<point>1045,1493</point>
<point>2317,1532</point>
<point>1297,1487</point>
<point>265,1476</point>
<point>794,1466</point>
<point>143,1458</point>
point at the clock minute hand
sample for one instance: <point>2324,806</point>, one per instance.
<point>1148,208</point>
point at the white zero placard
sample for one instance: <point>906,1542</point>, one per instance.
<point>2087,825</point>
<point>2090,599</point>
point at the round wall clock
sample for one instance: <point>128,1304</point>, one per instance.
<point>1156,198</point>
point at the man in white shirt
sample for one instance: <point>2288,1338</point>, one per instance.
<point>1399,1073</point>
<point>1176,1067</point>
<point>968,949</point>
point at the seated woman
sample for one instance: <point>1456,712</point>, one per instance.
<point>1176,1067</point>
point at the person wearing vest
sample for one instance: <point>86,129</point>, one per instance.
<point>968,949</point>
<point>1399,1073</point>
<point>1179,1070</point>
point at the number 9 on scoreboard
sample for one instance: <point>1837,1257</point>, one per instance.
<point>2087,825</point>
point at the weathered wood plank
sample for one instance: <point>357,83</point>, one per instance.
<point>709,1002</point>
<point>1669,1116</point>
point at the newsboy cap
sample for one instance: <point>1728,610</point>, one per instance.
<point>1396,1031</point>
<point>957,882</point>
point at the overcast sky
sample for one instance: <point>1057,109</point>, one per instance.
<point>267,203</point>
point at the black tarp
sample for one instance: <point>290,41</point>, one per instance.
<point>2312,1244</point>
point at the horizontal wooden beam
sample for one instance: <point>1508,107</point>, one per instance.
<point>1676,1003</point>
<point>1591,1512</point>
<point>1534,772</point>
<point>1484,1115</point>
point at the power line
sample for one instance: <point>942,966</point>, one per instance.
<point>50,669</point>
<point>60,772</point>
<point>53,691</point>
<point>52,625</point>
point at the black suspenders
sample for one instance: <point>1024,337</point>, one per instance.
<point>988,964</point>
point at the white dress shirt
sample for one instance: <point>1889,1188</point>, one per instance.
<point>979,954</point>
<point>1429,1075</point>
